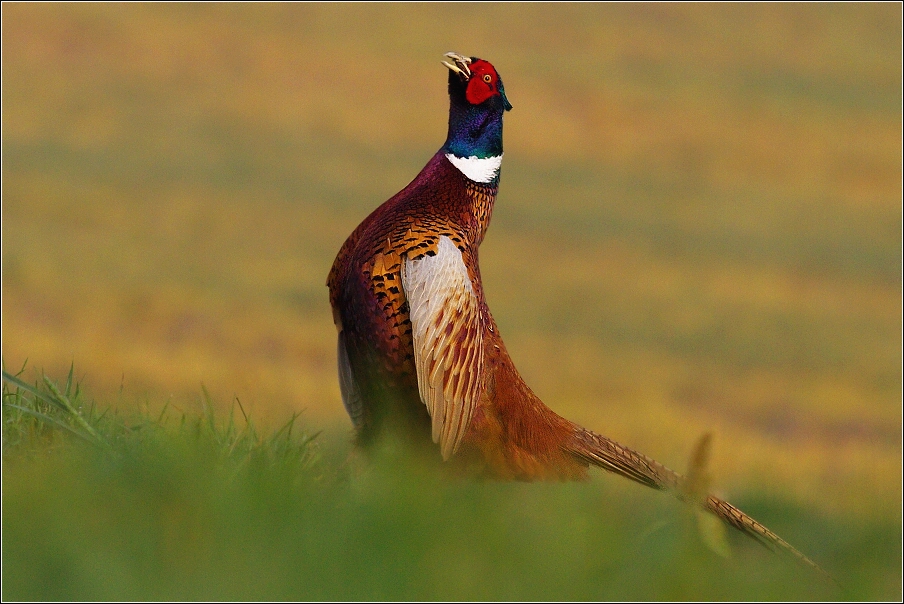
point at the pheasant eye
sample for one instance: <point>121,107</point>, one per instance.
<point>487,78</point>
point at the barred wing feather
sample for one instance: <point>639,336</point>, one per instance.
<point>447,330</point>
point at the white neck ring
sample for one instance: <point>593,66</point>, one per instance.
<point>476,168</point>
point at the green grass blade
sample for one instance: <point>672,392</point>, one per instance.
<point>68,388</point>
<point>54,422</point>
<point>67,404</point>
<point>34,391</point>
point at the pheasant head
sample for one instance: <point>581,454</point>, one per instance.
<point>476,103</point>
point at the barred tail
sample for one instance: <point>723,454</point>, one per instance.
<point>609,455</point>
<point>750,527</point>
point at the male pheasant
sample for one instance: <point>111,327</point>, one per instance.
<point>419,352</point>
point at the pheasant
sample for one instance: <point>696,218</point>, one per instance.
<point>419,352</point>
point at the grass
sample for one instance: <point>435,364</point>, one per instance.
<point>99,506</point>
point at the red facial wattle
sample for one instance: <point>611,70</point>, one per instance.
<point>483,82</point>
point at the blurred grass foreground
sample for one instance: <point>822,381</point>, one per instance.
<point>97,506</point>
<point>698,230</point>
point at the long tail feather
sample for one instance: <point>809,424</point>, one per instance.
<point>609,455</point>
<point>750,527</point>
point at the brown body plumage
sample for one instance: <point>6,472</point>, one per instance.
<point>419,351</point>
<point>511,431</point>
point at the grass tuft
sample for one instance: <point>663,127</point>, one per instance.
<point>44,417</point>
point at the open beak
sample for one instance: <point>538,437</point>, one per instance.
<point>459,65</point>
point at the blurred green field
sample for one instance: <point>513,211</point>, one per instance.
<point>701,202</point>
<point>103,506</point>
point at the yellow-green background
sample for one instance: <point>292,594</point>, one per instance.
<point>698,227</point>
